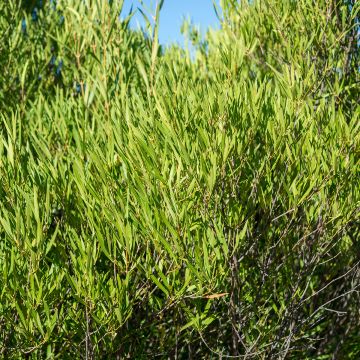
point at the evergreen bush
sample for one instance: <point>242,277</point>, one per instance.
<point>158,203</point>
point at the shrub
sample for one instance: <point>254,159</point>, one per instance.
<point>159,205</point>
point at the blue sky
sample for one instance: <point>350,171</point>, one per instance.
<point>201,12</point>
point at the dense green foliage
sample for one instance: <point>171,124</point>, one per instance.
<point>157,204</point>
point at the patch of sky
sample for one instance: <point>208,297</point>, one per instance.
<point>200,12</point>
